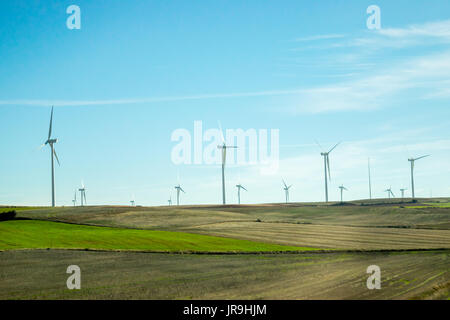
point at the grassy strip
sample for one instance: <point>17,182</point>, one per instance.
<point>32,234</point>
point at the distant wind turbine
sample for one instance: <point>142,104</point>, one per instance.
<point>82,193</point>
<point>170,201</point>
<point>74,200</point>
<point>239,187</point>
<point>132,201</point>
<point>286,190</point>
<point>326,163</point>
<point>403,192</point>
<point>412,160</point>
<point>224,148</point>
<point>342,189</point>
<point>389,191</point>
<point>178,188</point>
<point>51,142</point>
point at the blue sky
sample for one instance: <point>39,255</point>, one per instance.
<point>138,70</point>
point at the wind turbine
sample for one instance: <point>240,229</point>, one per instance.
<point>389,191</point>
<point>51,142</point>
<point>75,198</point>
<point>412,160</point>
<point>326,163</point>
<point>132,201</point>
<point>403,192</point>
<point>178,188</point>
<point>239,187</point>
<point>286,190</point>
<point>342,189</point>
<point>82,193</point>
<point>170,201</point>
<point>224,148</point>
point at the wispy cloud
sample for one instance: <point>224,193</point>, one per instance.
<point>320,37</point>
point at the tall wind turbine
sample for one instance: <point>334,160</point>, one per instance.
<point>326,164</point>
<point>132,201</point>
<point>74,200</point>
<point>178,188</point>
<point>224,148</point>
<point>412,160</point>
<point>170,201</point>
<point>51,142</point>
<point>403,192</point>
<point>389,191</point>
<point>82,193</point>
<point>342,189</point>
<point>286,190</point>
<point>239,187</point>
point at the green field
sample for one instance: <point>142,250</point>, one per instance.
<point>29,234</point>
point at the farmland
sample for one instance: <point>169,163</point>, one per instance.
<point>267,251</point>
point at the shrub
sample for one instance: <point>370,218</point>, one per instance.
<point>7,215</point>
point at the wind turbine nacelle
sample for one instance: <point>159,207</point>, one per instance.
<point>52,141</point>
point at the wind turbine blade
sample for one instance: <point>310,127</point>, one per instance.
<point>285,185</point>
<point>50,127</point>
<point>334,147</point>
<point>221,131</point>
<point>318,144</point>
<point>421,157</point>
<point>57,160</point>
<point>244,188</point>
<point>182,190</point>
<point>289,187</point>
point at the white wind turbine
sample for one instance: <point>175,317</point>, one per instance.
<point>178,188</point>
<point>326,164</point>
<point>224,148</point>
<point>239,187</point>
<point>51,142</point>
<point>389,191</point>
<point>82,193</point>
<point>402,190</point>
<point>286,190</point>
<point>412,160</point>
<point>74,200</point>
<point>342,189</point>
<point>170,201</point>
<point>132,201</point>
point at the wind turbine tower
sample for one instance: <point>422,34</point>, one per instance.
<point>51,142</point>
<point>224,148</point>
<point>286,190</point>
<point>239,187</point>
<point>170,201</point>
<point>342,189</point>
<point>326,164</point>
<point>412,160</point>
